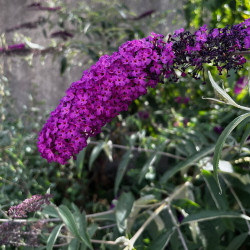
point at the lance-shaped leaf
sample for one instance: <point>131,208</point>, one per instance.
<point>122,169</point>
<point>53,236</point>
<point>223,95</point>
<point>221,141</point>
<point>73,225</point>
<point>95,153</point>
<point>123,209</point>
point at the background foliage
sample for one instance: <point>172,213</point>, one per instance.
<point>159,152</point>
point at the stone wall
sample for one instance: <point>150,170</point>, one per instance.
<point>45,77</point>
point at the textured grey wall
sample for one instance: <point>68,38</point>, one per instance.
<point>50,85</point>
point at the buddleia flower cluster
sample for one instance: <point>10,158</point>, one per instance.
<point>33,204</point>
<point>20,234</point>
<point>109,86</point>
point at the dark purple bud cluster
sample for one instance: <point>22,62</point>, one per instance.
<point>219,47</point>
<point>38,6</point>
<point>115,81</point>
<point>33,204</point>
<point>14,47</point>
<point>62,34</point>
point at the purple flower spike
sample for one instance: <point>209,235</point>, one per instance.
<point>110,85</point>
<point>32,204</point>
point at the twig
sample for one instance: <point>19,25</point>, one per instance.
<point>177,228</point>
<point>104,242</point>
<point>99,214</point>
<point>55,219</point>
<point>30,221</point>
<point>156,212</point>
<point>141,150</point>
<point>146,223</point>
<point>105,227</point>
<point>61,245</point>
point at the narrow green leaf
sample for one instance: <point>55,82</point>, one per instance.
<point>220,143</point>
<point>51,211</point>
<point>190,147</point>
<point>121,170</point>
<point>211,215</point>
<point>153,157</point>
<point>64,65</point>
<point>79,162</point>
<point>189,162</point>
<point>69,220</point>
<point>237,242</point>
<point>92,228</point>
<point>219,199</point>
<point>82,226</point>
<point>123,209</point>
<point>95,153</point>
<point>71,224</point>
<point>74,244</point>
<point>53,236</point>
<point>245,135</point>
<point>161,241</point>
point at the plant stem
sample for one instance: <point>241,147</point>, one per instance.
<point>99,214</point>
<point>56,219</point>
<point>156,212</point>
<point>104,242</point>
<point>146,223</point>
<point>177,228</point>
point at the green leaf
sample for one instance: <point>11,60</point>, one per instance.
<point>82,225</point>
<point>220,143</point>
<point>51,211</point>
<point>245,135</point>
<point>190,161</point>
<point>64,65</point>
<point>154,156</point>
<point>72,225</point>
<point>161,241</point>
<point>53,236</point>
<point>79,162</point>
<point>219,199</point>
<point>237,242</point>
<point>69,220</point>
<point>74,244</point>
<point>123,209</point>
<point>95,153</point>
<point>121,170</point>
<point>211,215</point>
<point>92,228</point>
